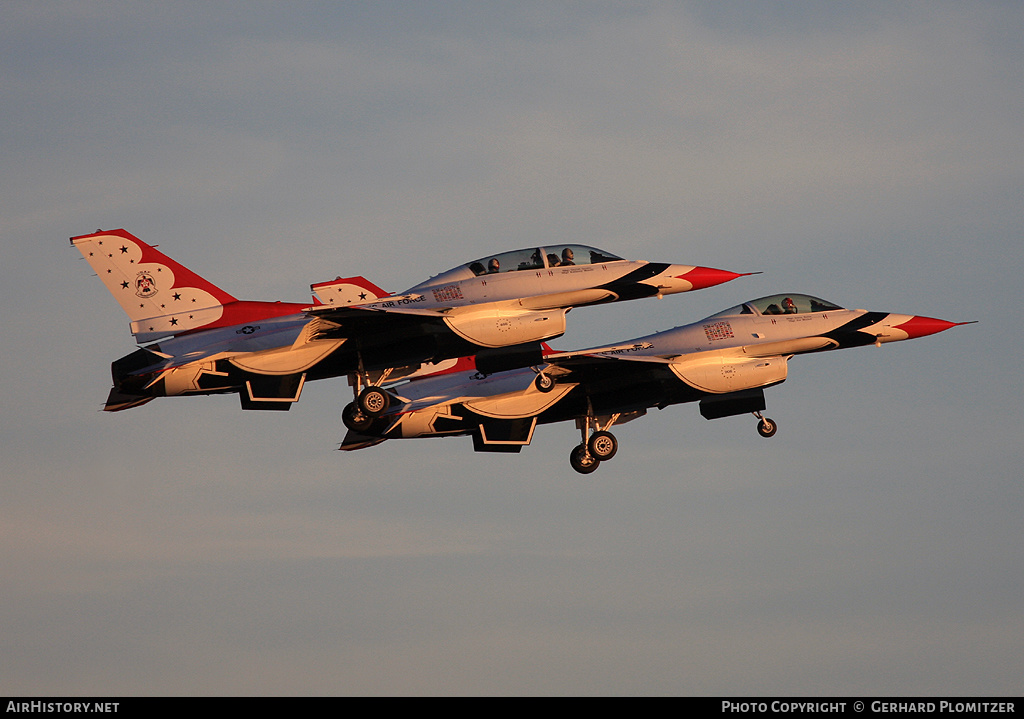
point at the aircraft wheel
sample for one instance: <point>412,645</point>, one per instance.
<point>355,419</point>
<point>767,427</point>
<point>544,383</point>
<point>582,460</point>
<point>374,401</point>
<point>603,445</point>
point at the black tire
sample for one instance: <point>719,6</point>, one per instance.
<point>353,418</point>
<point>603,445</point>
<point>544,383</point>
<point>582,461</point>
<point>767,427</point>
<point>373,401</point>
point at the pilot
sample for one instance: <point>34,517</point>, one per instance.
<point>567,257</point>
<point>788,307</point>
<point>493,266</point>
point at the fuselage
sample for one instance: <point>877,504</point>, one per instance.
<point>501,317</point>
<point>536,279</point>
<point>714,360</point>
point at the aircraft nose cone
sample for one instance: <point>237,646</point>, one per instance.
<point>924,326</point>
<point>701,277</point>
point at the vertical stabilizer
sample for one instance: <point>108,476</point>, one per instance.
<point>160,296</point>
<point>344,291</point>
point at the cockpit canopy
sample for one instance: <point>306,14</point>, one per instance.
<point>786,304</point>
<point>532,258</point>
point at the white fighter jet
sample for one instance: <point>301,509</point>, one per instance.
<point>724,362</point>
<point>498,309</point>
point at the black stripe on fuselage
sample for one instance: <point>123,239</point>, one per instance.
<point>630,286</point>
<point>850,335</point>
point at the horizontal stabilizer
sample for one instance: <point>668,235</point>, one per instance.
<point>116,401</point>
<point>354,441</point>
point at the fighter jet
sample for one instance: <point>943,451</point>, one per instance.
<point>724,362</point>
<point>497,309</point>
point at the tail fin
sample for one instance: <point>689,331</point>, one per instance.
<point>346,291</point>
<point>160,296</point>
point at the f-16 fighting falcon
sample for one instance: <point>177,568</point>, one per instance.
<point>724,362</point>
<point>498,309</point>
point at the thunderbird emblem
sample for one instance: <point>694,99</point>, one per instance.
<point>145,285</point>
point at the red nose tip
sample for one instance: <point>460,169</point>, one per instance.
<point>701,277</point>
<point>924,326</point>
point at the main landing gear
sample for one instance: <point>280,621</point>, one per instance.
<point>600,446</point>
<point>370,402</point>
<point>373,401</point>
<point>766,427</point>
<point>357,418</point>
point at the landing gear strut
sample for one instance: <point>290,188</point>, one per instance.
<point>766,427</point>
<point>596,447</point>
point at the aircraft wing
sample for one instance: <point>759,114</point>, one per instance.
<point>397,334</point>
<point>362,311</point>
<point>714,371</point>
<point>295,339</point>
<point>474,390</point>
<point>633,352</point>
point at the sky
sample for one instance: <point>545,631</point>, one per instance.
<point>871,154</point>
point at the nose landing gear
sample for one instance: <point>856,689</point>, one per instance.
<point>766,427</point>
<point>543,382</point>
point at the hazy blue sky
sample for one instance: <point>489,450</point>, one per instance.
<point>871,154</point>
